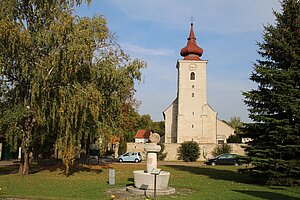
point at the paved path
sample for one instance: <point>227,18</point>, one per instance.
<point>180,163</point>
<point>108,161</point>
<point>172,163</point>
<point>9,162</point>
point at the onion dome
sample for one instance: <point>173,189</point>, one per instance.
<point>191,51</point>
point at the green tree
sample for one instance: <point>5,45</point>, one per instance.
<point>234,139</point>
<point>219,149</point>
<point>237,124</point>
<point>145,122</point>
<point>274,106</point>
<point>30,46</point>
<point>158,127</point>
<point>64,77</point>
<point>161,155</point>
<point>189,151</point>
<point>131,124</point>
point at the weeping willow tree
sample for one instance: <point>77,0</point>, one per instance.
<point>62,77</point>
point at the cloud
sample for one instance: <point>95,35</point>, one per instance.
<point>132,48</point>
<point>215,15</point>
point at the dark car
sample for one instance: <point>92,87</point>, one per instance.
<point>223,159</point>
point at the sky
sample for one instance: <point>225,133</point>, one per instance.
<point>155,32</point>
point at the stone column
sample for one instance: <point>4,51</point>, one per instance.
<point>152,150</point>
<point>151,161</point>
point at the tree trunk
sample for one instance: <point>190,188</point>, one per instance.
<point>56,155</point>
<point>87,148</point>
<point>67,169</point>
<point>24,165</point>
<point>26,162</point>
<point>21,163</point>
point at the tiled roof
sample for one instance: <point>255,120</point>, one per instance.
<point>142,134</point>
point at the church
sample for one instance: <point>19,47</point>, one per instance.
<point>190,117</point>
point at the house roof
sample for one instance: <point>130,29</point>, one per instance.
<point>142,134</point>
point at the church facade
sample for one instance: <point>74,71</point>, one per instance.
<point>189,117</point>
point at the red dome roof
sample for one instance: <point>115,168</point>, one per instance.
<point>191,51</point>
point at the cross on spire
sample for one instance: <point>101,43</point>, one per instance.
<point>192,19</point>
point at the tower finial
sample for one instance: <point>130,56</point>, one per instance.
<point>192,19</point>
<point>191,51</point>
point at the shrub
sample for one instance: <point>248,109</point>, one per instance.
<point>224,148</point>
<point>161,155</point>
<point>234,139</point>
<point>189,151</point>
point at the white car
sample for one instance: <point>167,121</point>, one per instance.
<point>130,157</point>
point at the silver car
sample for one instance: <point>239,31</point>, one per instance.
<point>130,157</point>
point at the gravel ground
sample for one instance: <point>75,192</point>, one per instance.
<point>122,194</point>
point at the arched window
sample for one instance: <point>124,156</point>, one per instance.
<point>192,76</point>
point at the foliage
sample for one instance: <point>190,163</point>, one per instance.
<point>274,106</point>
<point>234,139</point>
<point>146,123</point>
<point>161,155</point>
<point>62,77</point>
<point>158,127</point>
<point>143,122</point>
<point>219,149</point>
<point>109,152</point>
<point>41,62</point>
<point>122,146</point>
<point>189,151</point>
<point>137,122</point>
<point>236,124</point>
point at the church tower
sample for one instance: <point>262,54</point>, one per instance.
<point>189,117</point>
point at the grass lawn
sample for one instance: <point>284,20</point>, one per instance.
<point>91,182</point>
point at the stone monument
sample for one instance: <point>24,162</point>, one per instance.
<point>146,181</point>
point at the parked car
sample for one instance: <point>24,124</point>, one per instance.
<point>223,159</point>
<point>130,157</point>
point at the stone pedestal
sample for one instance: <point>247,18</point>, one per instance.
<point>144,181</point>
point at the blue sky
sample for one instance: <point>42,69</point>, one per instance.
<point>155,31</point>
